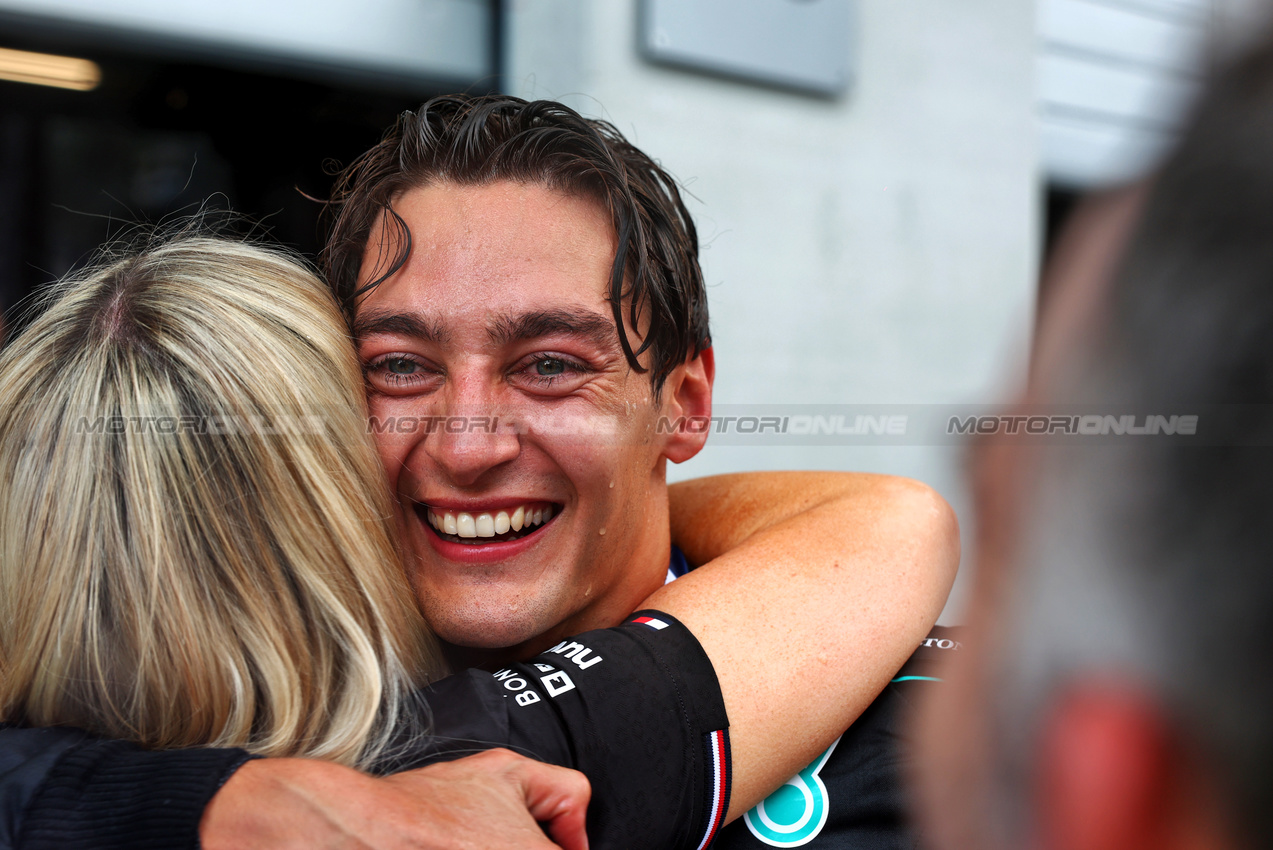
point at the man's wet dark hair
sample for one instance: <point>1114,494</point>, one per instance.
<point>477,140</point>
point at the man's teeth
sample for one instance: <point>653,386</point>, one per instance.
<point>465,524</point>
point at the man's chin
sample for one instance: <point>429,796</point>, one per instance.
<point>489,623</point>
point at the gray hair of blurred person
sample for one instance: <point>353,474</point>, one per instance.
<point>1150,562</point>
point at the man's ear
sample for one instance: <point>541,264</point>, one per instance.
<point>1113,775</point>
<point>687,402</point>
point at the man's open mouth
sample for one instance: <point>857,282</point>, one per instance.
<point>481,527</point>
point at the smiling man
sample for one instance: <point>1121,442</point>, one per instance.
<point>533,499</point>
<point>526,313</point>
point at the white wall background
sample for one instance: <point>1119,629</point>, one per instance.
<point>878,248</point>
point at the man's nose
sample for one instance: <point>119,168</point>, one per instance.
<point>472,435</point>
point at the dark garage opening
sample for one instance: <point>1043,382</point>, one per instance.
<point>160,139</point>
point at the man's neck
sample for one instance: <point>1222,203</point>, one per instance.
<point>598,616</point>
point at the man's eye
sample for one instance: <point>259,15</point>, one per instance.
<point>399,366</point>
<point>551,372</point>
<point>393,373</point>
<point>549,367</point>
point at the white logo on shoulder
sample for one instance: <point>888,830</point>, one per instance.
<point>557,682</point>
<point>577,653</point>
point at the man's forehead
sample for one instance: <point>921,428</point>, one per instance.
<point>503,216</point>
<point>501,326</point>
<point>505,261</point>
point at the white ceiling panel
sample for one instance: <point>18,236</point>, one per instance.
<point>1115,80</point>
<point>1117,34</point>
<point>1119,93</point>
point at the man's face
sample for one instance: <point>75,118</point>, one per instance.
<point>500,398</point>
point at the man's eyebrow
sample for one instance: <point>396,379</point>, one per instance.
<point>539,323</point>
<point>400,324</point>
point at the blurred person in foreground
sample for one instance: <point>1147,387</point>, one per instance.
<point>1120,694</point>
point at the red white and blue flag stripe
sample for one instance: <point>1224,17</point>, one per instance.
<point>651,622</point>
<point>718,755</point>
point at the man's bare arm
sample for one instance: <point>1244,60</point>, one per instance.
<point>823,585</point>
<point>713,515</point>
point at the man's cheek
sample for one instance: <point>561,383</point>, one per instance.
<point>583,431</point>
<point>618,516</point>
<point>393,448</point>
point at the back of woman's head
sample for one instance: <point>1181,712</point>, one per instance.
<point>194,533</point>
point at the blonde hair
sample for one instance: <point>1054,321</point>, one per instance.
<point>195,538</point>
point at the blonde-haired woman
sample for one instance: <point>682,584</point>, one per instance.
<point>193,540</point>
<point>195,549</point>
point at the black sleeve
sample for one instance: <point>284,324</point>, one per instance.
<point>636,708</point>
<point>26,757</point>
<point>60,788</point>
